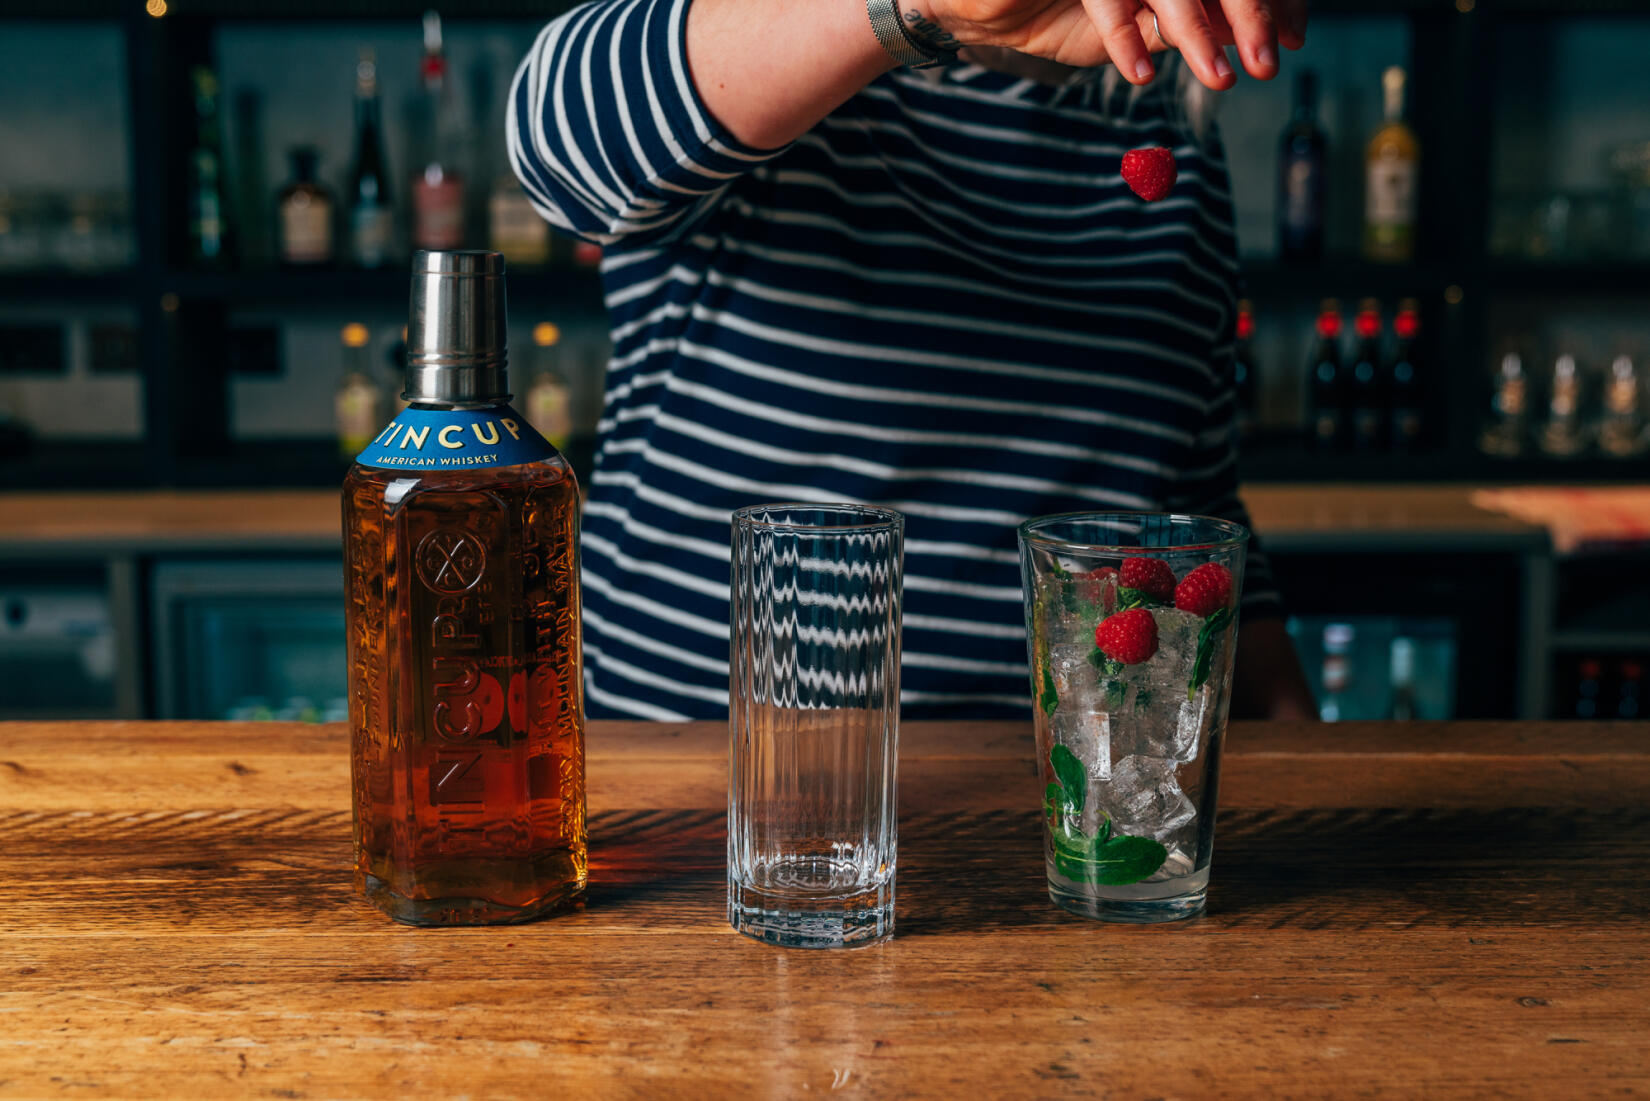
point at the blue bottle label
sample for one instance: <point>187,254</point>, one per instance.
<point>445,439</point>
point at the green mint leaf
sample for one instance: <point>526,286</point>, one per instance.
<point>1142,700</point>
<point>1105,829</point>
<point>1208,636</point>
<point>1072,776</point>
<point>1049,699</point>
<point>1051,799</point>
<point>1126,860</point>
<point>1113,694</point>
<point>1058,570</point>
<point>1113,861</point>
<point>1138,598</point>
<point>1107,667</point>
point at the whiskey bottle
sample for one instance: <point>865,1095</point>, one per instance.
<point>465,695</point>
<point>358,402</point>
<point>1390,194</point>
<point>304,214</point>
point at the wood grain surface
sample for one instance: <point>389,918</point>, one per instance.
<point>1449,910</point>
<point>271,519</point>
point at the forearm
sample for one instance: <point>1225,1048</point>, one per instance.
<point>768,70</point>
<point>1267,679</point>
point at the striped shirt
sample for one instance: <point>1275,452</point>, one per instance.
<point>942,299</point>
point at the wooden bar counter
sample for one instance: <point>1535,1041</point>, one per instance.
<point>1403,911</point>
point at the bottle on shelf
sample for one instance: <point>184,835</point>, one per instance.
<point>208,201</point>
<point>253,247</point>
<point>1302,160</point>
<point>1623,434</point>
<point>358,403</point>
<point>1368,410</point>
<point>438,187</point>
<point>1589,689</point>
<point>461,571</point>
<point>514,227</point>
<point>1244,381</point>
<point>1390,191</point>
<point>1326,391</point>
<point>1337,671</point>
<point>1505,434</point>
<point>371,215</point>
<point>1403,383</point>
<point>1403,679</point>
<point>1564,435</point>
<point>1630,689</point>
<point>305,214</point>
<point>549,399</point>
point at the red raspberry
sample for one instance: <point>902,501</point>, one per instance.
<point>1149,172</point>
<point>1099,586</point>
<point>1151,576</point>
<point>1129,637</point>
<point>1204,591</point>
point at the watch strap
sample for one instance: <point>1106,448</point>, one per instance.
<point>890,30</point>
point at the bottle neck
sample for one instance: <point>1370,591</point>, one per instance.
<point>1394,105</point>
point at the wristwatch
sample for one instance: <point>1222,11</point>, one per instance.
<point>890,30</point>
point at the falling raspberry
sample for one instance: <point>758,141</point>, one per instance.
<point>1149,172</point>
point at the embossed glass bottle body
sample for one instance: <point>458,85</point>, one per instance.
<point>468,740</point>
<point>461,570</point>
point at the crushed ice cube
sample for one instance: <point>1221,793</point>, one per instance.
<point>1144,797</point>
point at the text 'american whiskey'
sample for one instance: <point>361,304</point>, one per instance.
<point>461,560</point>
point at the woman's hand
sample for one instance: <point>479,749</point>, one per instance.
<point>1084,33</point>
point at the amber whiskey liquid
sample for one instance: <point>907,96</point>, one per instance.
<point>465,674</point>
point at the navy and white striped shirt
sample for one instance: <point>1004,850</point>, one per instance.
<point>942,299</point>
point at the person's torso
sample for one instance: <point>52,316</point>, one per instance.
<point>943,299</point>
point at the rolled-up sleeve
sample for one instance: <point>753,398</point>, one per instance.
<point>607,132</point>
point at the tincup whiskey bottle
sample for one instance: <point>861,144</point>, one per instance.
<point>466,710</point>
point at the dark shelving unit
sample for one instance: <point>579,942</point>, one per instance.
<point>182,314</point>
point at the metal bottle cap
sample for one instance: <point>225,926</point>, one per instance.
<point>456,329</point>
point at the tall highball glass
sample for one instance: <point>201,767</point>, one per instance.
<point>814,723</point>
<point>1131,621</point>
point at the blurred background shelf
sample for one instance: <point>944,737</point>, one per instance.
<point>575,289</point>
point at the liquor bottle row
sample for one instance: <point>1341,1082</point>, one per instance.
<point>1585,411</point>
<point>1368,400</point>
<point>371,225</point>
<point>362,401</point>
<point>1600,687</point>
<point>1391,165</point>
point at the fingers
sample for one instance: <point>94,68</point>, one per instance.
<point>1255,34</point>
<point>1290,17</point>
<point>1184,23</point>
<point>1125,41</point>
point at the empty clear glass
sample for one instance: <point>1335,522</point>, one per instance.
<point>814,723</point>
<point>1131,621</point>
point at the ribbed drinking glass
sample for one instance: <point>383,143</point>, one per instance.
<point>814,723</point>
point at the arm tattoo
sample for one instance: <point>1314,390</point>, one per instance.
<point>929,34</point>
